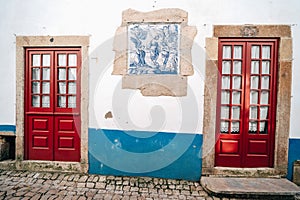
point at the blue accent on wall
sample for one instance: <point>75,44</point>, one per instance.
<point>8,128</point>
<point>165,155</point>
<point>138,144</point>
<point>294,154</point>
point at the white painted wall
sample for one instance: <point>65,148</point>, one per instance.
<point>100,20</point>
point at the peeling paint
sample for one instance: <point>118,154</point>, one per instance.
<point>108,115</point>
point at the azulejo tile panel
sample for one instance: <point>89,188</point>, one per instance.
<point>153,48</point>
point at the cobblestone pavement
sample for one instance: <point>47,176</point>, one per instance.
<point>44,185</point>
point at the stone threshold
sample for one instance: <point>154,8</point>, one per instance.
<point>44,166</point>
<point>250,188</point>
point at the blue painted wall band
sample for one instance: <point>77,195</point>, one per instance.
<point>294,154</point>
<point>8,128</point>
<point>165,155</point>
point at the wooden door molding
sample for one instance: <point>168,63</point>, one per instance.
<point>246,135</point>
<point>52,104</point>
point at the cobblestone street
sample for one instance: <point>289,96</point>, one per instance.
<point>43,185</point>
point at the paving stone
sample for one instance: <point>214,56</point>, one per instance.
<point>83,178</point>
<point>71,177</point>
<point>81,185</point>
<point>95,179</point>
<point>76,178</point>
<point>144,190</point>
<point>102,178</point>
<point>90,178</point>
<point>134,189</point>
<point>61,177</point>
<point>100,185</point>
<point>90,185</point>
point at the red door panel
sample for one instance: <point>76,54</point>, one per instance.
<point>246,103</point>
<point>67,144</point>
<point>52,102</point>
<point>40,137</point>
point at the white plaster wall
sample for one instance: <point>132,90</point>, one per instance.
<point>100,19</point>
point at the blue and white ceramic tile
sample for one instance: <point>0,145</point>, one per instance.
<point>153,48</point>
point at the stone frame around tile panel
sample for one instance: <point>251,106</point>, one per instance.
<point>161,84</point>
<point>281,32</point>
<point>23,42</point>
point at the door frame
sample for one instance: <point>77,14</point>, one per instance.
<point>283,34</point>
<point>23,42</point>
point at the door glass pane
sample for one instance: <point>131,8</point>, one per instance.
<point>236,97</point>
<point>72,88</point>
<point>72,102</point>
<point>253,97</point>
<point>224,112</point>
<point>265,68</point>
<point>46,88</point>
<point>46,73</point>
<point>226,67</point>
<point>226,52</point>
<point>72,60</point>
<point>237,82</point>
<point>235,127</point>
<point>263,127</point>
<point>46,60</point>
<point>254,67</point>
<point>72,74</point>
<point>225,82</point>
<point>62,88</point>
<point>265,82</point>
<point>255,51</point>
<point>45,101</point>
<point>36,60</point>
<point>61,101</point>
<point>35,73</point>
<point>62,74</point>
<point>35,101</point>
<point>237,52</point>
<point>237,67</point>
<point>62,60</point>
<point>235,112</point>
<point>252,126</point>
<point>224,127</point>
<point>264,98</point>
<point>266,52</point>
<point>253,112</point>
<point>225,97</point>
<point>254,82</point>
<point>263,112</point>
<point>35,87</point>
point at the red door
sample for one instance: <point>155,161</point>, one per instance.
<point>246,103</point>
<point>52,104</point>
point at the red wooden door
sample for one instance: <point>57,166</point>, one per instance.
<point>246,103</point>
<point>52,104</point>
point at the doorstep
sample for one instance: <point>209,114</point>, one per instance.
<point>44,166</point>
<point>253,188</point>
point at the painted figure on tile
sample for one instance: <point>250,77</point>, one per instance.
<point>153,48</point>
